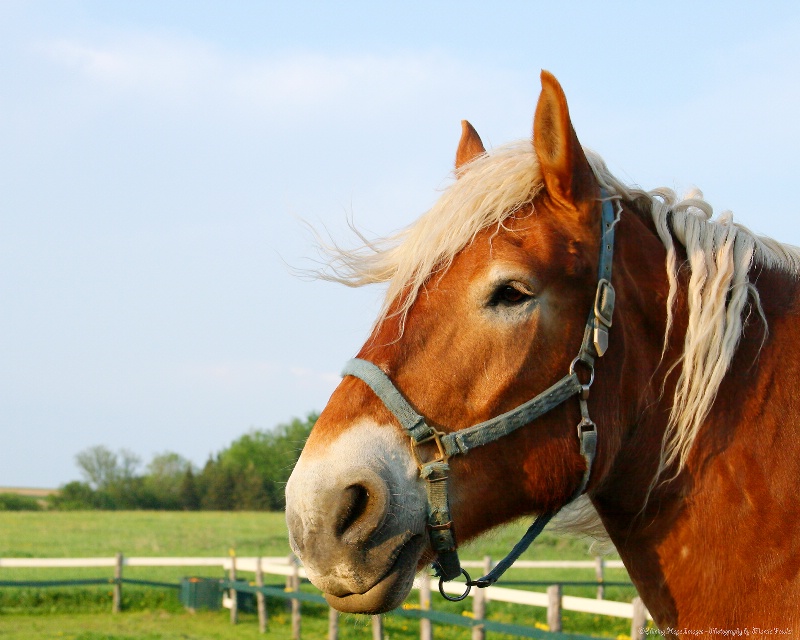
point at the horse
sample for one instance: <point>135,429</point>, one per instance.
<point>686,454</point>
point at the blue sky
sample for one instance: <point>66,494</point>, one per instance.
<point>156,159</point>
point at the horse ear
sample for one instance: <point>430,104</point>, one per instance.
<point>567,175</point>
<point>470,145</point>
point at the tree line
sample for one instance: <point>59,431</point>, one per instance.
<point>250,474</point>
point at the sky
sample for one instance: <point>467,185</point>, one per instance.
<point>159,162</point>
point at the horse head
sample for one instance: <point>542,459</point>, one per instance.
<point>487,307</point>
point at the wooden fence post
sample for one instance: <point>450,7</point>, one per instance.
<point>425,625</point>
<point>333,624</point>
<point>599,570</point>
<point>478,613</point>
<point>554,607</point>
<point>290,580</point>
<point>261,601</point>
<point>639,621</point>
<point>232,592</point>
<point>295,578</point>
<point>479,601</point>
<point>377,627</point>
<point>116,605</point>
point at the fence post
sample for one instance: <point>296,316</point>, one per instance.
<point>333,624</point>
<point>478,613</point>
<point>116,605</point>
<point>554,607</point>
<point>639,621</point>
<point>289,580</point>
<point>295,578</point>
<point>261,601</point>
<point>232,592</point>
<point>479,604</point>
<point>599,570</point>
<point>425,625</point>
<point>377,627</point>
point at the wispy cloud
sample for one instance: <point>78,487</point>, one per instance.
<point>190,71</point>
<point>141,64</point>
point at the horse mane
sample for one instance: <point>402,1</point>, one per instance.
<point>498,184</point>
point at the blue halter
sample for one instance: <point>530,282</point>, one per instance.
<point>435,472</point>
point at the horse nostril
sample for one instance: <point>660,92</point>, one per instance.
<point>361,509</point>
<point>353,506</point>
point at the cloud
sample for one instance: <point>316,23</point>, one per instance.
<point>290,86</point>
<point>140,64</point>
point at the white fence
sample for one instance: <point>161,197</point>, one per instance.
<point>283,566</point>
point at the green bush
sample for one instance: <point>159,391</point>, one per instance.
<point>16,502</point>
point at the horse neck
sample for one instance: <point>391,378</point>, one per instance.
<point>676,537</point>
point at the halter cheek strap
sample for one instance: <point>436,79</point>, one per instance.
<point>435,471</point>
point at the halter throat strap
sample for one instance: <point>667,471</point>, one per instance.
<point>435,471</point>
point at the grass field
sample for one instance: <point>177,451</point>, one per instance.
<point>82,613</point>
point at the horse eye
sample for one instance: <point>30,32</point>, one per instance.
<point>510,294</point>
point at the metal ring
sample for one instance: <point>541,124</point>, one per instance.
<point>456,598</point>
<point>585,364</point>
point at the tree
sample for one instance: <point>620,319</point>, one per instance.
<point>219,485</point>
<point>98,465</point>
<point>164,478</point>
<point>269,456</point>
<point>250,492</point>
<point>102,467</point>
<point>189,494</point>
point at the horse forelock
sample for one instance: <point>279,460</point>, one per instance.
<point>490,189</point>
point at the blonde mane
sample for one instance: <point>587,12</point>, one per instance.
<point>498,184</point>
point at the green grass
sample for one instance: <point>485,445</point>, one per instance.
<point>82,613</point>
<point>141,533</point>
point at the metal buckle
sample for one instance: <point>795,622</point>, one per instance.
<point>603,314</point>
<point>586,425</point>
<point>441,454</point>
<point>587,435</point>
<point>604,301</point>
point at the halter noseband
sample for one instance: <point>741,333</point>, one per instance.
<point>435,471</point>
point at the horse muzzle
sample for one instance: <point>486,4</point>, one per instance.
<point>356,516</point>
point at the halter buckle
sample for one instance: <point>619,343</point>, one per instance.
<point>441,454</point>
<point>604,301</point>
<point>603,314</point>
<point>587,435</point>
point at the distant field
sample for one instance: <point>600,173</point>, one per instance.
<point>29,491</point>
<point>155,614</point>
<point>63,534</point>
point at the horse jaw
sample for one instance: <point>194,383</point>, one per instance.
<point>356,513</point>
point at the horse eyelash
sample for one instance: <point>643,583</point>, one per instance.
<point>497,300</point>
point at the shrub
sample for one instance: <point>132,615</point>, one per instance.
<point>17,502</point>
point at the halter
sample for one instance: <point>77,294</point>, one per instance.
<point>435,471</point>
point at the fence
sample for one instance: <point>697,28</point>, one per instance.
<point>553,599</point>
